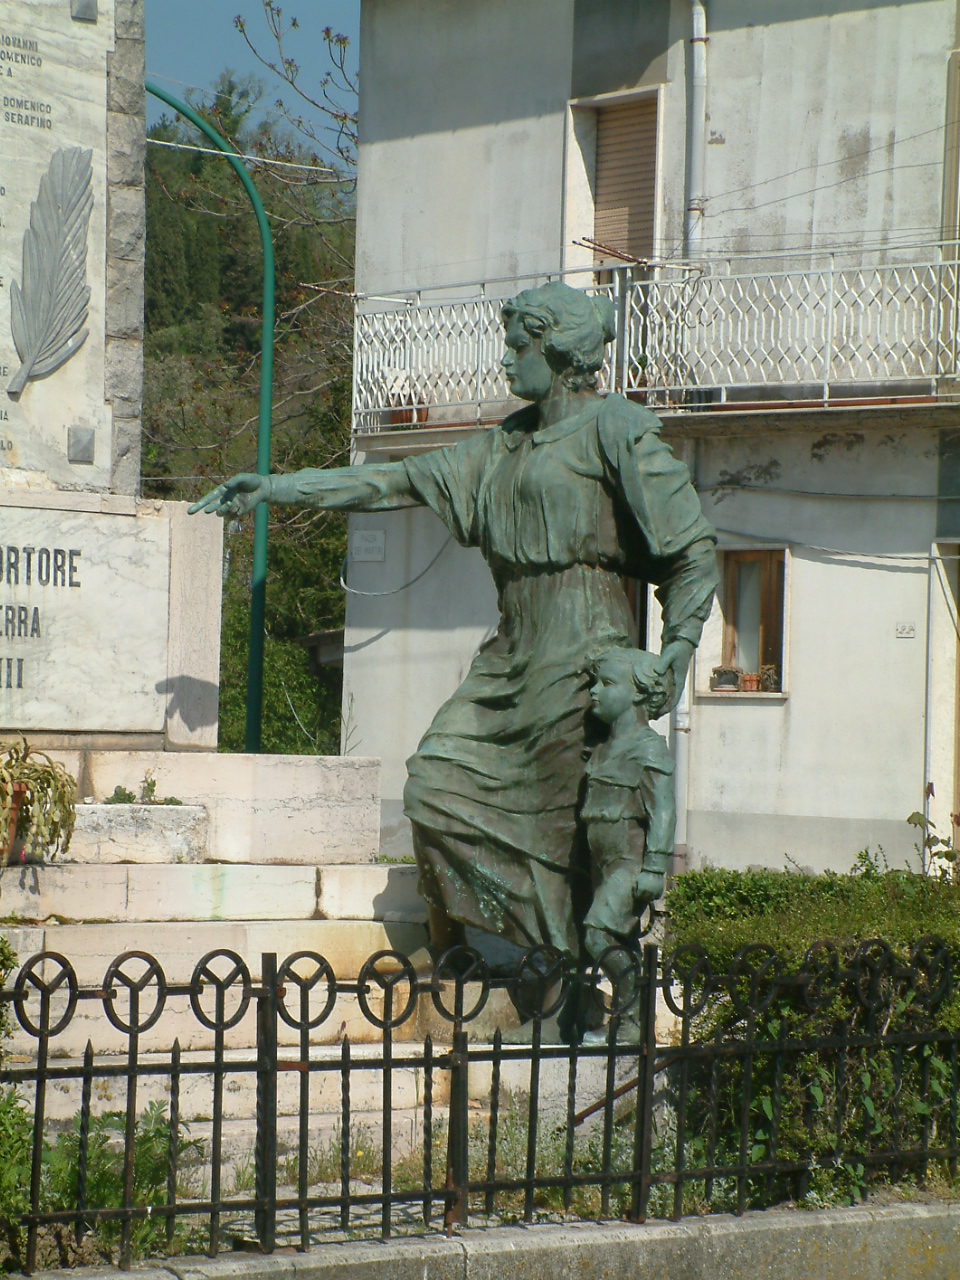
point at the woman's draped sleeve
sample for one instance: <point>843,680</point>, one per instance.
<point>448,482</point>
<point>655,487</point>
<point>373,487</point>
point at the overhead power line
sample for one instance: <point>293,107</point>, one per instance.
<point>212,151</point>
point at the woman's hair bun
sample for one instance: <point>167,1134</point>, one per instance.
<point>607,315</point>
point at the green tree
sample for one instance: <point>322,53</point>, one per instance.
<point>202,365</point>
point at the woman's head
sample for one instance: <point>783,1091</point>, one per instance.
<point>571,327</point>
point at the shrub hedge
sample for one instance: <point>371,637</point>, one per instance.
<point>726,910</point>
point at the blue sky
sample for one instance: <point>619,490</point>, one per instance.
<point>189,42</point>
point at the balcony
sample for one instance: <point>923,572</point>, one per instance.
<point>692,339</point>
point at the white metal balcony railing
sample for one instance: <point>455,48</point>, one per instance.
<point>686,339</point>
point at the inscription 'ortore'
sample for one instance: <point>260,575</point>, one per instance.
<point>45,566</point>
<point>27,566</point>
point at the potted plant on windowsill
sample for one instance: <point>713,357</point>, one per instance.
<point>38,804</point>
<point>725,679</point>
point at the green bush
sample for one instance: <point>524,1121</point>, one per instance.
<point>104,1188</point>
<point>831,1109</point>
<point>724,911</point>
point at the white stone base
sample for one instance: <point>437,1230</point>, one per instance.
<point>370,893</point>
<point>148,833</point>
<point>303,810</point>
<point>118,893</point>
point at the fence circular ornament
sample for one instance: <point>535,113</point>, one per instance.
<point>30,976</point>
<point>621,968</point>
<point>386,970</point>
<point>206,974</point>
<point>689,969</point>
<point>820,976</point>
<point>754,978</point>
<point>540,971</point>
<point>460,967</point>
<point>287,975</point>
<point>875,970</point>
<point>930,972</point>
<point>122,973</point>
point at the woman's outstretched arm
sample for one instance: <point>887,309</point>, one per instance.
<point>376,487</point>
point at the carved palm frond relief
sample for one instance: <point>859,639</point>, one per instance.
<point>48,310</point>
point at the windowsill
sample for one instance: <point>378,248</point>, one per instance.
<point>739,695</point>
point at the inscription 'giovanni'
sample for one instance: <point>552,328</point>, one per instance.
<point>19,42</point>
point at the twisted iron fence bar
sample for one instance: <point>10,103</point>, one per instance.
<point>867,1044</point>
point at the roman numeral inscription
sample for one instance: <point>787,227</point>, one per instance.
<point>45,570</point>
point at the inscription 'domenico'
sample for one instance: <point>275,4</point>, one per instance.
<point>49,567</point>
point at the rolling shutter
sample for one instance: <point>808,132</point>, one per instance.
<point>625,190</point>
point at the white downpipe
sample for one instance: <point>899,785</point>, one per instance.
<point>680,733</point>
<point>932,568</point>
<point>696,195</point>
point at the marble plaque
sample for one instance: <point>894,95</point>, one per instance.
<point>83,621</point>
<point>55,425</point>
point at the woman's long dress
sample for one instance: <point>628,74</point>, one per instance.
<point>560,515</point>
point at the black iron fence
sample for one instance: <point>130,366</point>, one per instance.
<point>399,1101</point>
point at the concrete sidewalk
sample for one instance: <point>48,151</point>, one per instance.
<point>905,1242</point>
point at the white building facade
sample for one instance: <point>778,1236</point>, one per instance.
<point>770,194</point>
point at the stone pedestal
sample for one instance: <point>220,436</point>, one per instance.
<point>109,606</point>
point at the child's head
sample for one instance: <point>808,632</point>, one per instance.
<point>627,677</point>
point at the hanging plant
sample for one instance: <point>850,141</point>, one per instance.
<point>38,802</point>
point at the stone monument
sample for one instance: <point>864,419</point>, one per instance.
<point>107,640</point>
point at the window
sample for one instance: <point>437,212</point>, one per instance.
<point>625,187</point>
<point>752,622</point>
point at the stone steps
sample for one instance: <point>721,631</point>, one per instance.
<point>146,833</point>
<point>306,810</point>
<point>178,945</point>
<point>265,854</point>
<point>141,892</point>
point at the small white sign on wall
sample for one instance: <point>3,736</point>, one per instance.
<point>368,544</point>
<point>906,631</point>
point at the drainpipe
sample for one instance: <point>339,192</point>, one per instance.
<point>680,733</point>
<point>693,224</point>
<point>932,568</point>
<point>680,723</point>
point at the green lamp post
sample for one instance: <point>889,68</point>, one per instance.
<point>258,601</point>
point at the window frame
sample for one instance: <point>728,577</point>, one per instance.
<point>612,178</point>
<point>771,603</point>
<point>718,635</point>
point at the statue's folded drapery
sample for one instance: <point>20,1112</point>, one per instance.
<point>560,515</point>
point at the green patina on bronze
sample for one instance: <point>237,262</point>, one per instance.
<point>563,499</point>
<point>629,811</point>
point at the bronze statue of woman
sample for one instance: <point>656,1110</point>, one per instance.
<point>565,498</point>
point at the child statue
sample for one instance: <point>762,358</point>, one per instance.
<point>629,810</point>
